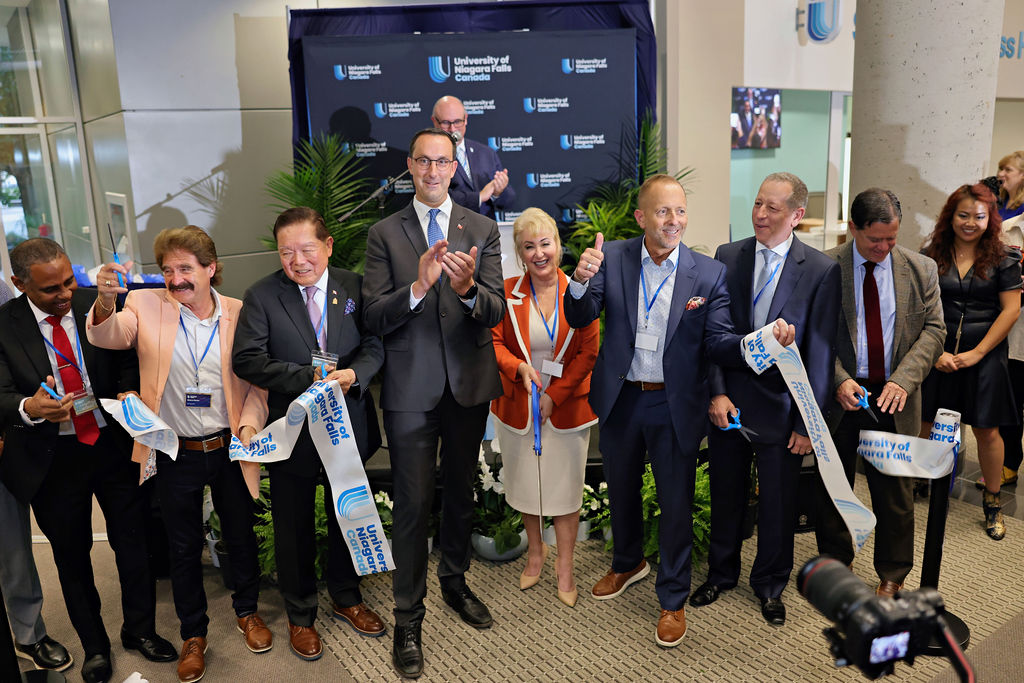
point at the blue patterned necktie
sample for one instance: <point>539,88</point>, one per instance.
<point>463,159</point>
<point>433,228</point>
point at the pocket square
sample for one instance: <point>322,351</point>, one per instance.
<point>350,307</point>
<point>695,302</point>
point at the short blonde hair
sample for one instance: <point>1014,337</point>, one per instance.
<point>1015,159</point>
<point>533,222</point>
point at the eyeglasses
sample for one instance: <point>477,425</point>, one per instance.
<point>451,124</point>
<point>423,163</point>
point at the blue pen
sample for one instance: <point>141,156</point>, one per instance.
<point>50,391</point>
<point>117,259</point>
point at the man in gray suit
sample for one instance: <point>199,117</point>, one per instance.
<point>890,334</point>
<point>433,290</point>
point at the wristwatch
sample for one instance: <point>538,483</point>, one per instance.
<point>470,293</point>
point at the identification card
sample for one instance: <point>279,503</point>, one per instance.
<point>324,363</point>
<point>550,367</point>
<point>84,403</point>
<point>198,397</point>
<point>647,342</point>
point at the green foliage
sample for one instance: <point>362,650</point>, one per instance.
<point>327,176</point>
<point>264,528</point>
<point>493,516</point>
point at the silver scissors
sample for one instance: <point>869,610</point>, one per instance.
<point>862,401</point>
<point>734,423</point>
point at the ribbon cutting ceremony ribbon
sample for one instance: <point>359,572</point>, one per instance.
<point>909,456</point>
<point>143,424</point>
<point>761,350</point>
<point>323,406</point>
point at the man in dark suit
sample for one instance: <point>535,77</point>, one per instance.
<point>890,357</point>
<point>480,182</point>
<point>433,290</point>
<point>769,275</point>
<point>305,309</point>
<point>58,454</point>
<point>666,316</point>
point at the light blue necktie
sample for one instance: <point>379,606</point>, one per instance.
<point>433,228</point>
<point>763,288</point>
<point>463,159</point>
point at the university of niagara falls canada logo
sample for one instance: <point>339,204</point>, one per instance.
<point>296,414</point>
<point>822,21</point>
<point>439,68</point>
<point>340,72</point>
<point>565,141</point>
<point>133,414</point>
<point>568,66</point>
<point>529,104</point>
<point>355,503</point>
<point>380,109</point>
<point>494,143</point>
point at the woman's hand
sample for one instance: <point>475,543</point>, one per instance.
<point>546,406</point>
<point>967,359</point>
<point>527,374</point>
<point>946,363</point>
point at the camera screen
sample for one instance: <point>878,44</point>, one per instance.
<point>888,648</point>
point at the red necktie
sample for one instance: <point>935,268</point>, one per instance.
<point>873,326</point>
<point>86,428</point>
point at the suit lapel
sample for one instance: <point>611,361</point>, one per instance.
<point>901,277</point>
<point>686,277</point>
<point>565,332</point>
<point>457,237</point>
<point>225,337</point>
<point>745,282</point>
<point>519,306</point>
<point>791,274</point>
<point>335,301</point>
<point>88,350</point>
<point>169,317</point>
<point>28,330</point>
<point>631,279</point>
<point>849,298</point>
<point>295,308</point>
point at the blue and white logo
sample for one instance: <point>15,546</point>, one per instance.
<point>340,72</point>
<point>543,105</point>
<point>565,141</point>
<point>568,65</point>
<point>136,415</point>
<point>395,110</point>
<point>529,104</point>
<point>553,179</point>
<point>380,109</point>
<point>532,180</point>
<point>494,143</point>
<point>440,68</point>
<point>356,503</point>
<point>823,20</point>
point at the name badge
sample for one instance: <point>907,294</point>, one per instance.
<point>647,342</point>
<point>551,368</point>
<point>198,397</point>
<point>84,403</point>
<point>324,363</point>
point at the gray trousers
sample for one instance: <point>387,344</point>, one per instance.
<point>18,578</point>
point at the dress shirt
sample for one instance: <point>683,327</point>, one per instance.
<point>647,365</point>
<point>67,428</point>
<point>782,250</point>
<point>886,306</point>
<point>195,422</point>
<point>423,213</point>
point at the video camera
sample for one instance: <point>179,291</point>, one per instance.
<point>872,632</point>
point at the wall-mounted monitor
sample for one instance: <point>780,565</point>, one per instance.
<point>756,118</point>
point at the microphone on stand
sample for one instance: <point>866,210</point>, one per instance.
<point>457,135</point>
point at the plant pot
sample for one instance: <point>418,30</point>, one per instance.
<point>211,543</point>
<point>224,562</point>
<point>581,535</point>
<point>484,547</point>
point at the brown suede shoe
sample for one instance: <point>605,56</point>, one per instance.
<point>305,642</point>
<point>612,585</point>
<point>258,637</point>
<point>671,628</point>
<point>887,588</point>
<point>192,663</point>
<point>360,617</point>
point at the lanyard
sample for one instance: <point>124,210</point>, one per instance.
<point>552,331</point>
<point>770,278</point>
<point>643,283</point>
<point>208,343</point>
<point>72,363</point>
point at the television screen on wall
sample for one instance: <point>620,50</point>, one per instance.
<point>756,118</point>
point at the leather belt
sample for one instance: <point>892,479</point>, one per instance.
<point>647,386</point>
<point>221,439</point>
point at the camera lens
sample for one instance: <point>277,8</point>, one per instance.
<point>831,587</point>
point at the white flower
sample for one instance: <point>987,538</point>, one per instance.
<point>588,489</point>
<point>603,486</point>
<point>594,505</point>
<point>499,488</point>
<point>480,458</point>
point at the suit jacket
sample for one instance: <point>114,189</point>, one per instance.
<point>693,337</point>
<point>149,324</point>
<point>577,350</point>
<point>28,451</point>
<point>274,342</point>
<point>440,341</point>
<point>917,338</point>
<point>808,296</point>
<point>465,190</point>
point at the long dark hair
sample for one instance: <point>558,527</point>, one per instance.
<point>990,249</point>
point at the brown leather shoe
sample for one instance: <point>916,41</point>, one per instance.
<point>192,663</point>
<point>887,588</point>
<point>361,618</point>
<point>612,585</point>
<point>258,637</point>
<point>671,627</point>
<point>305,642</point>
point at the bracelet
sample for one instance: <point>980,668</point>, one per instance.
<point>104,309</point>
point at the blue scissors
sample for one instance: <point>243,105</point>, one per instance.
<point>862,401</point>
<point>734,423</point>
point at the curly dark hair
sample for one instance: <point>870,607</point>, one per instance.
<point>990,250</point>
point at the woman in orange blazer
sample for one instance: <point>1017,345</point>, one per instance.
<point>534,345</point>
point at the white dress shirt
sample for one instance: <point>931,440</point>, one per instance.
<point>886,306</point>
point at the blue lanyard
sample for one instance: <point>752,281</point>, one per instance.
<point>213,334</point>
<point>552,331</point>
<point>770,278</point>
<point>72,363</point>
<point>643,282</point>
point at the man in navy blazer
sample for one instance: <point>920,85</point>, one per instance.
<point>802,285</point>
<point>666,317</point>
<point>480,181</point>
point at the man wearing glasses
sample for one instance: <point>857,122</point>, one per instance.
<point>433,290</point>
<point>480,181</point>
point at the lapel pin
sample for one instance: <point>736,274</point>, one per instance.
<point>334,301</point>
<point>459,226</point>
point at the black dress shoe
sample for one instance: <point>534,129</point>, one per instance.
<point>97,669</point>
<point>773,611</point>
<point>706,594</point>
<point>153,647</point>
<point>46,654</point>
<point>407,653</point>
<point>469,607</point>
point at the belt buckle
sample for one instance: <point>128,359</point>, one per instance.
<point>206,442</point>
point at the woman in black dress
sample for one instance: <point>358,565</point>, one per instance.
<point>980,282</point>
